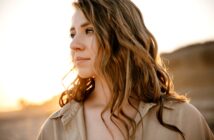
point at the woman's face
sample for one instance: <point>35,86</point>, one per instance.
<point>84,45</point>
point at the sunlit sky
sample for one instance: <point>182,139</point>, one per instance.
<point>34,41</point>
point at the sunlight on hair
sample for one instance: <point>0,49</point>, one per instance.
<point>34,46</point>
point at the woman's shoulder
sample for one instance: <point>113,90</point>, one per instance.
<point>181,112</point>
<point>174,111</point>
<point>171,108</point>
<point>181,108</point>
<point>188,119</point>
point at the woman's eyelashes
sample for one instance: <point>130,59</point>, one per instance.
<point>72,35</point>
<point>87,31</point>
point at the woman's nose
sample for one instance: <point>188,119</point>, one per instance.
<point>76,45</point>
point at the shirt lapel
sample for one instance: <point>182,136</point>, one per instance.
<point>81,123</point>
<point>143,109</point>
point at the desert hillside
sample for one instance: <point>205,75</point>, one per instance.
<point>191,68</point>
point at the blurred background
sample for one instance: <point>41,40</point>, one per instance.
<point>35,55</point>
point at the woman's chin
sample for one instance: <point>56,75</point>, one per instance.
<point>84,75</point>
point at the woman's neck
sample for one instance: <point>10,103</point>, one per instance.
<point>101,94</point>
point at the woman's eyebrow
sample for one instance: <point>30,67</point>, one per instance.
<point>82,26</point>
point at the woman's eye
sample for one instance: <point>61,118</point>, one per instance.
<point>72,35</point>
<point>89,30</point>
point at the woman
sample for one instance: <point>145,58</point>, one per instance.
<point>122,91</point>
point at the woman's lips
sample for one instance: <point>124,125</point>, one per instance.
<point>81,59</point>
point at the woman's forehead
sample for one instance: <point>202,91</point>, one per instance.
<point>78,18</point>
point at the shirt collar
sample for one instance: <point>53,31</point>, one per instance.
<point>67,112</point>
<point>145,107</point>
<point>70,110</point>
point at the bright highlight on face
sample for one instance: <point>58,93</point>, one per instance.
<point>84,45</point>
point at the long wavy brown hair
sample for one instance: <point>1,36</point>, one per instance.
<point>129,61</point>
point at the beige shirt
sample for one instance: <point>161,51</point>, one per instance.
<point>68,123</point>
